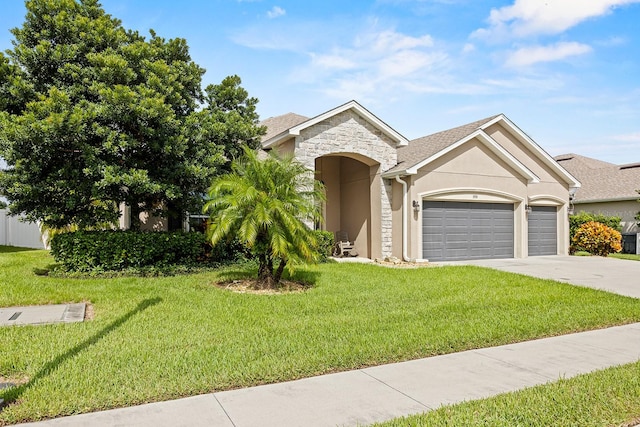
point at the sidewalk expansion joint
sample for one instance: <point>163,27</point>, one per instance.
<point>224,409</point>
<point>550,378</point>
<point>398,391</point>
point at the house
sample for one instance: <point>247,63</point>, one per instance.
<point>481,190</point>
<point>607,189</point>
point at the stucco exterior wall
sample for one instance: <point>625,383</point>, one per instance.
<point>473,173</point>
<point>355,203</point>
<point>626,210</point>
<point>287,147</point>
<point>552,190</point>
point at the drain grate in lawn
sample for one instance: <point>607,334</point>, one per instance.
<point>43,314</point>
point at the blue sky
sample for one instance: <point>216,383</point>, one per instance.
<point>566,71</point>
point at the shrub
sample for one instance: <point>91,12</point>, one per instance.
<point>227,251</point>
<point>575,221</point>
<point>597,239</point>
<point>119,250</point>
<point>325,244</point>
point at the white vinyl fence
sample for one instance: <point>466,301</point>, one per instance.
<point>14,232</point>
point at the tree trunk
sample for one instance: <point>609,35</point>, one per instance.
<point>278,273</point>
<point>265,273</point>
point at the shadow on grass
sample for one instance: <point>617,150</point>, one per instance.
<point>12,249</point>
<point>14,394</point>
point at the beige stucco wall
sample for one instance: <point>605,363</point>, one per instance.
<point>153,223</point>
<point>350,204</point>
<point>147,222</point>
<point>627,210</point>
<point>355,203</point>
<point>552,190</point>
<point>473,173</point>
<point>328,171</point>
<point>288,146</point>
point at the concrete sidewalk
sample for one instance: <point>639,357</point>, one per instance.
<point>383,392</point>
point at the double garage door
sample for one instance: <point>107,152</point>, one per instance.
<point>461,231</point>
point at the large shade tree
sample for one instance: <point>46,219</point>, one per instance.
<point>267,205</point>
<point>94,115</point>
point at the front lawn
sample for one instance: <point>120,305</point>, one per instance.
<point>633,257</point>
<point>161,338</point>
<point>610,397</point>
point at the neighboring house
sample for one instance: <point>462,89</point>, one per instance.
<point>482,190</point>
<point>607,189</point>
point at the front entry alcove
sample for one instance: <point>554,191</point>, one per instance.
<point>353,192</point>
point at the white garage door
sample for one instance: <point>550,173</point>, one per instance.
<point>459,230</point>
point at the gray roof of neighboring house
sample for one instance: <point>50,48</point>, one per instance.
<point>602,181</point>
<point>277,125</point>
<point>422,148</point>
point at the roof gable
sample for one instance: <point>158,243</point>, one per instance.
<point>423,148</point>
<point>423,151</point>
<point>274,138</point>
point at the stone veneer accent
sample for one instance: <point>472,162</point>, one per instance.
<point>345,133</point>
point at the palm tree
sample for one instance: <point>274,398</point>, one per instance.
<point>267,204</point>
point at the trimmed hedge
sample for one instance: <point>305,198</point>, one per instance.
<point>119,250</point>
<point>575,221</point>
<point>325,244</point>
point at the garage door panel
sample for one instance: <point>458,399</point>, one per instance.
<point>543,232</point>
<point>463,230</point>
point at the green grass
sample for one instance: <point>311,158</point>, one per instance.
<point>161,338</point>
<point>632,257</point>
<point>610,397</point>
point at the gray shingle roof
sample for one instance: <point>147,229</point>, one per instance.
<point>422,148</point>
<point>277,125</point>
<point>601,180</point>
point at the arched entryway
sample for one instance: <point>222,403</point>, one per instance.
<point>352,184</point>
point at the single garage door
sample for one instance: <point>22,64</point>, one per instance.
<point>543,230</point>
<point>459,230</point>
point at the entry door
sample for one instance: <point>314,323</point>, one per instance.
<point>460,230</point>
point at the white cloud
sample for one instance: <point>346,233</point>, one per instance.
<point>468,48</point>
<point>276,12</point>
<point>375,62</point>
<point>612,41</point>
<point>534,54</point>
<point>331,61</point>
<point>389,40</point>
<point>532,17</point>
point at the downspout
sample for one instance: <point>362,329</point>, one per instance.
<point>405,227</point>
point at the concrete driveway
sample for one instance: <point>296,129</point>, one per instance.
<point>609,274</point>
